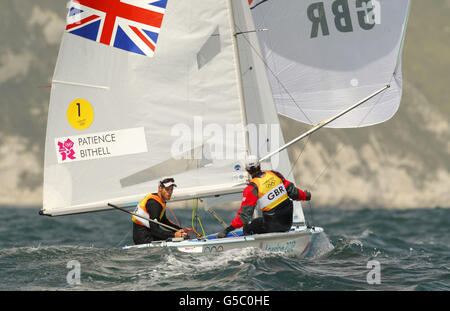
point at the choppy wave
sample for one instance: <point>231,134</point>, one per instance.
<point>411,248</point>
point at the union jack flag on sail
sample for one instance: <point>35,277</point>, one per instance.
<point>130,25</point>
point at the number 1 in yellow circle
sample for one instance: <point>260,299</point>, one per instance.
<point>80,114</point>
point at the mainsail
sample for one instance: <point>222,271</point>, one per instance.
<point>134,100</point>
<point>323,56</point>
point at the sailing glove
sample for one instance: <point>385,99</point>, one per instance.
<point>225,232</point>
<point>308,195</point>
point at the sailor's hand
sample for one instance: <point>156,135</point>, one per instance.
<point>225,232</point>
<point>308,195</point>
<point>180,234</point>
<point>190,233</point>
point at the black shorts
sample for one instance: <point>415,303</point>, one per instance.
<point>278,219</point>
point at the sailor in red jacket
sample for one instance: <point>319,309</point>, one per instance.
<point>274,194</point>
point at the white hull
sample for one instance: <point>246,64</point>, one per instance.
<point>298,241</point>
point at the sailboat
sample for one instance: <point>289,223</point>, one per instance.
<point>148,89</point>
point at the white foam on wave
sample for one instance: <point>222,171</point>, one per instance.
<point>321,246</point>
<point>183,265</point>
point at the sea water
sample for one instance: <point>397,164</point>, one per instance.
<point>364,249</point>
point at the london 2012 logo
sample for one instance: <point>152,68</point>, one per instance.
<point>66,150</point>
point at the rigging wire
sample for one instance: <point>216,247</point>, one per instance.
<point>311,214</point>
<point>123,239</point>
<point>283,86</point>
<point>272,72</point>
<point>295,163</point>
<point>198,221</point>
<point>178,223</point>
<point>292,168</point>
<point>293,100</point>
<point>285,90</point>
<point>301,110</point>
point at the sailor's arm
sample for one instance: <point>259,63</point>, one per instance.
<point>181,231</point>
<point>245,213</point>
<point>154,209</point>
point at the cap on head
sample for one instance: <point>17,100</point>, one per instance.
<point>167,182</point>
<point>251,162</point>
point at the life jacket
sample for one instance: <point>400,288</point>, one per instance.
<point>141,210</point>
<point>271,190</point>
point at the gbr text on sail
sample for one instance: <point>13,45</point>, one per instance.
<point>345,16</point>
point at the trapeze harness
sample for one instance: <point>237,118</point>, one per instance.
<point>271,191</point>
<point>275,204</point>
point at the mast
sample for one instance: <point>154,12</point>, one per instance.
<point>239,75</point>
<point>258,97</point>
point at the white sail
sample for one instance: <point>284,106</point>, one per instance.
<point>142,103</point>
<point>324,56</point>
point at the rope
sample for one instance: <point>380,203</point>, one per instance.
<point>311,213</point>
<point>295,163</point>
<point>272,72</point>
<point>174,216</point>
<point>194,215</point>
<point>292,168</point>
